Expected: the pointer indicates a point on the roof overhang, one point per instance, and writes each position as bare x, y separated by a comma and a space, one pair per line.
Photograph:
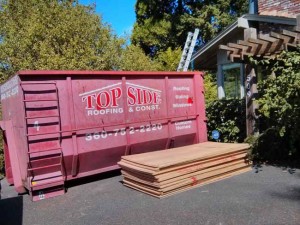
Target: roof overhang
206, 57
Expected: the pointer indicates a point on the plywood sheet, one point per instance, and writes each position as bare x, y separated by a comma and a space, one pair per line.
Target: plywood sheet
167, 172
178, 156
160, 194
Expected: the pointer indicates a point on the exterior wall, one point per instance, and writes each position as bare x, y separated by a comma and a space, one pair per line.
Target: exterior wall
284, 8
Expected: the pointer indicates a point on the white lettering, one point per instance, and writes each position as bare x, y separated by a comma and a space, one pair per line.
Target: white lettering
181, 96
181, 88
183, 125
183, 122
104, 111
146, 108
182, 105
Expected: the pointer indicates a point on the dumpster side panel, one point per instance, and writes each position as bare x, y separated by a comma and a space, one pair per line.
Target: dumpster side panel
13, 110
118, 115
8, 168
106, 115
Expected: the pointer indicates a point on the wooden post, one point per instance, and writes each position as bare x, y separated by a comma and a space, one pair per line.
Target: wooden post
251, 89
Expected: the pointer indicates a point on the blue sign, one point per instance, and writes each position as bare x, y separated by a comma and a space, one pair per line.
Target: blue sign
215, 134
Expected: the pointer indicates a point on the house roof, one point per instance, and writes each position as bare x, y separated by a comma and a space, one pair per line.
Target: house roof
206, 57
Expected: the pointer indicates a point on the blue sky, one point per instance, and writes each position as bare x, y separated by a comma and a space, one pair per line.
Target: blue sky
119, 14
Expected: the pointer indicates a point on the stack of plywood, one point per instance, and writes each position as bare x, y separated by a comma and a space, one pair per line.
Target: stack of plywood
167, 172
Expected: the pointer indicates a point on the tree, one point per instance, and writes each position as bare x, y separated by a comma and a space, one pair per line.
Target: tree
54, 35
210, 88
168, 60
134, 59
164, 24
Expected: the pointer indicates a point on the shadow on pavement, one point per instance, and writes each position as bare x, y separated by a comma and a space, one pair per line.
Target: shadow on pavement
93, 178
11, 211
287, 166
292, 195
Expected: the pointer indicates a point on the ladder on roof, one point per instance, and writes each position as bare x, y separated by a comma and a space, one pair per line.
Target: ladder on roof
188, 50
45, 158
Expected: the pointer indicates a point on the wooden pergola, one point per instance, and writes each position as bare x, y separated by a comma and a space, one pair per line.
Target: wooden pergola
259, 46
264, 45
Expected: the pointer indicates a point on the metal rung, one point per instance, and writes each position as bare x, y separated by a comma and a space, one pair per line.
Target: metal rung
47, 150
41, 100
49, 183
188, 50
37, 117
43, 158
44, 167
45, 90
24, 83
40, 134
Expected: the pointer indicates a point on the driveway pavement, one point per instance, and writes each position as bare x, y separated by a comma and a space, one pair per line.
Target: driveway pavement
266, 195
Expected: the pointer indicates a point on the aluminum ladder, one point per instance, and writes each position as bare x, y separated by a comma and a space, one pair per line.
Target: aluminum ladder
188, 50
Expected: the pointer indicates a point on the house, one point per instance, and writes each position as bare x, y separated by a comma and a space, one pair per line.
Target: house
270, 27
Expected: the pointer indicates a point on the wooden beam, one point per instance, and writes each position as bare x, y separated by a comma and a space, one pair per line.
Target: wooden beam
234, 56
288, 46
257, 41
275, 46
246, 43
290, 34
250, 84
247, 54
285, 38
245, 50
262, 45
266, 37
238, 46
225, 47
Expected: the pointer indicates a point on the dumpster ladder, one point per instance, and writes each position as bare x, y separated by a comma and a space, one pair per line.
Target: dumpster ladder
45, 172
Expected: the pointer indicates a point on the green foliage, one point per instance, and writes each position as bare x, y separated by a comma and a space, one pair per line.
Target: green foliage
54, 35
279, 106
134, 59
164, 24
210, 87
168, 60
228, 117
267, 146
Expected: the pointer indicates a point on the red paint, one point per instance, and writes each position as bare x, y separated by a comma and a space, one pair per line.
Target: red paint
116, 94
138, 96
190, 100
89, 101
194, 179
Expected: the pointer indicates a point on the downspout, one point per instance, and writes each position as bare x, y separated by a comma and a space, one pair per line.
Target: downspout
253, 6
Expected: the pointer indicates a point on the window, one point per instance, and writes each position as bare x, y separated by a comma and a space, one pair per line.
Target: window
233, 83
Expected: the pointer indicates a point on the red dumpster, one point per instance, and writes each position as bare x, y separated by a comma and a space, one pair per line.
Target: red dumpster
63, 125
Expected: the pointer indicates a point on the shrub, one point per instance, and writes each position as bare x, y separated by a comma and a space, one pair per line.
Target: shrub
228, 117
279, 107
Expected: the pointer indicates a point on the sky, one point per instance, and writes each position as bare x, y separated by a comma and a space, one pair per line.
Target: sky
119, 14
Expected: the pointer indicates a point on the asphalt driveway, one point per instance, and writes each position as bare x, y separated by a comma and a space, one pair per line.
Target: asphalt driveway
266, 195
